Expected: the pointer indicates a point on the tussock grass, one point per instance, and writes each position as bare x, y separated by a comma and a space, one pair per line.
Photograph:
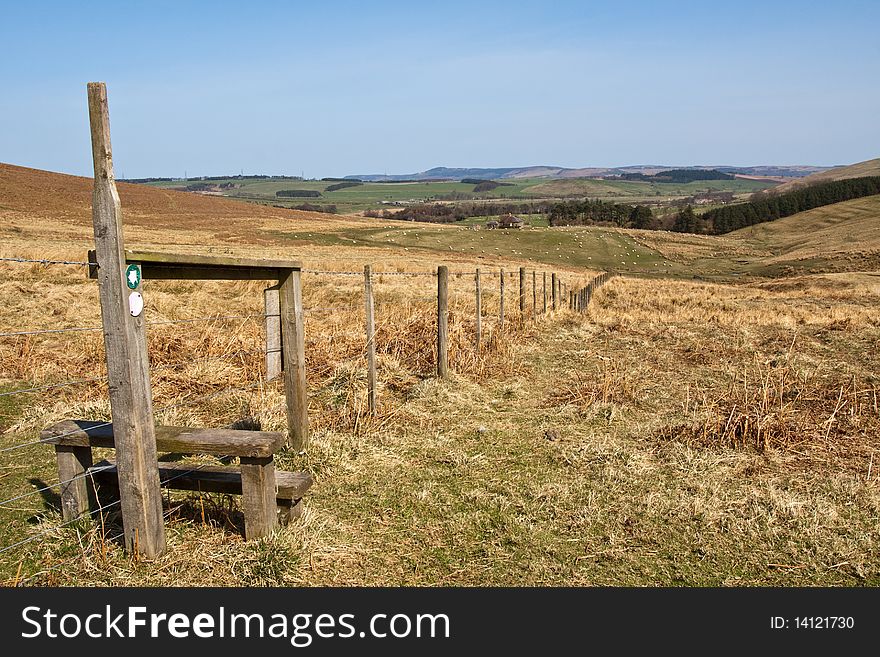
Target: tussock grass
680, 433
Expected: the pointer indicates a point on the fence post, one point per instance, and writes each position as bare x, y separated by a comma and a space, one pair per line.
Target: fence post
545, 293
125, 343
522, 295
554, 287
534, 294
442, 319
502, 299
294, 359
371, 340
479, 317
272, 309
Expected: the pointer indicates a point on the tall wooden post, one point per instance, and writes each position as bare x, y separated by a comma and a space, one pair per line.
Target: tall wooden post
534, 294
501, 316
272, 306
554, 290
545, 293
522, 295
371, 340
294, 358
479, 317
442, 320
125, 343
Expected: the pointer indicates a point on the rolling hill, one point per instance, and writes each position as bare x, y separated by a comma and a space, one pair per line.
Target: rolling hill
858, 170
839, 237
555, 172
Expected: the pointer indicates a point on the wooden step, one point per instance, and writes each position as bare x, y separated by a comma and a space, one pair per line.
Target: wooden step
178, 440
290, 486
212, 478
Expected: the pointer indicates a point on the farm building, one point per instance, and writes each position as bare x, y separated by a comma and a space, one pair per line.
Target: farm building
511, 221
491, 224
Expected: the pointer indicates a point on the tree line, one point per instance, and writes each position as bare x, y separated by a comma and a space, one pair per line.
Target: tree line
680, 176
766, 206
297, 193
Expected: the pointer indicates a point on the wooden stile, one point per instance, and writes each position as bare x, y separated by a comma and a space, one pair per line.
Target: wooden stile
126, 350
294, 358
272, 307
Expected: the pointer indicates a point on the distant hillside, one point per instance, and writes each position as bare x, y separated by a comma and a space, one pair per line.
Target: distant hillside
858, 170
32, 193
553, 172
840, 237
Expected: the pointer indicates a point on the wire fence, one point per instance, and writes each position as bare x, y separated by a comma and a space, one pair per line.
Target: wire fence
342, 335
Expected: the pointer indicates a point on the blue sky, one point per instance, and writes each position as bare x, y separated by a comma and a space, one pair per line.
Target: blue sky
354, 87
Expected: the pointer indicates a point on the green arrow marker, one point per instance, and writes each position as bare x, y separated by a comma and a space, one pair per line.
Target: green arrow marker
133, 276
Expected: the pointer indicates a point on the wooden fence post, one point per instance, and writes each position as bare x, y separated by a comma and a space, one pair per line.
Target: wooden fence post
554, 287
294, 359
545, 293
272, 307
125, 343
502, 299
442, 319
534, 294
522, 295
479, 317
371, 341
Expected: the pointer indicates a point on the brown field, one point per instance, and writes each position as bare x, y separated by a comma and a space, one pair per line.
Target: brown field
680, 433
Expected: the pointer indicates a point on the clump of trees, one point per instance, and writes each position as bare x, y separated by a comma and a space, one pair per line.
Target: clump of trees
311, 207
590, 212
431, 213
768, 206
680, 176
687, 221
343, 185
297, 193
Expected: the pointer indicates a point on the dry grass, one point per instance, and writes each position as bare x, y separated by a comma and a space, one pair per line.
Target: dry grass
680, 433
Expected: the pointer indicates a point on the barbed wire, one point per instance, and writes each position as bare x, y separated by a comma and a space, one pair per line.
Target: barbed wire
61, 330
49, 386
212, 318
49, 262
34, 537
189, 320
82, 475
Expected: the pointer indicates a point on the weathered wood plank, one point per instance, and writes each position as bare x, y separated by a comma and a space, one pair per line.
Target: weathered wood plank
172, 266
258, 496
294, 359
442, 320
272, 307
177, 440
187, 260
554, 290
76, 491
212, 478
126, 351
